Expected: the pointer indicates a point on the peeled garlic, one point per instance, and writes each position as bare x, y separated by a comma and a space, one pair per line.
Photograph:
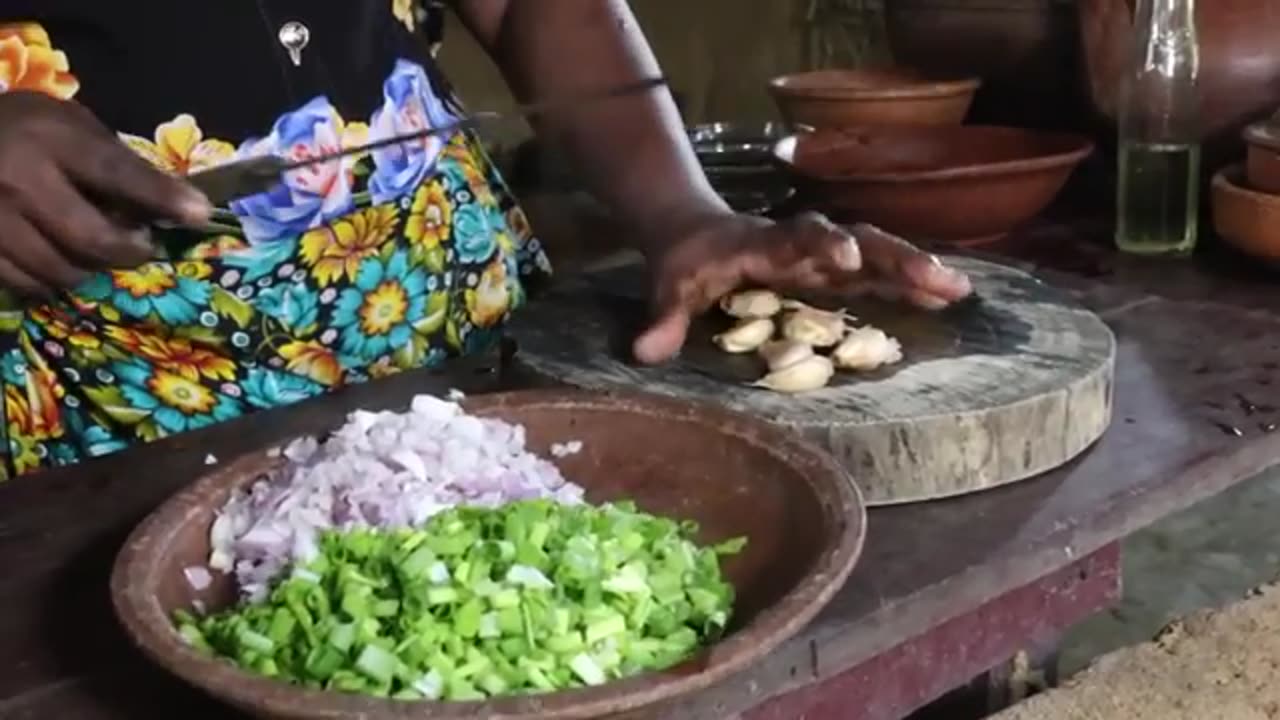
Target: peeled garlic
866, 348
745, 336
783, 353
819, 328
751, 304
812, 373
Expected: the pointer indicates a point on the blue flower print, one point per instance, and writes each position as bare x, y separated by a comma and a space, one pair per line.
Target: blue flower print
151, 289
176, 403
265, 388
409, 104
308, 196
472, 234
258, 261
377, 315
293, 304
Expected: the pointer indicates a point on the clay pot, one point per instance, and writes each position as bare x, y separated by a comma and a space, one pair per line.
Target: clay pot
964, 185
1024, 50
1246, 219
1262, 165
853, 98
1239, 64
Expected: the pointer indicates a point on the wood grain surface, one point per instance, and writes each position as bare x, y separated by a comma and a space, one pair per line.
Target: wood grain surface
1007, 385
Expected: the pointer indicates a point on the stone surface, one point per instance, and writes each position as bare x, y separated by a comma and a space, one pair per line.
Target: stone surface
1213, 664
1007, 386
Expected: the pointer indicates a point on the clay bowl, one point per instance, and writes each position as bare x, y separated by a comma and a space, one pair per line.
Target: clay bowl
964, 185
854, 98
1245, 218
1262, 164
734, 475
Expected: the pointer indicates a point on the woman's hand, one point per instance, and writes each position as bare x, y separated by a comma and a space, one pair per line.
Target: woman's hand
720, 254
57, 162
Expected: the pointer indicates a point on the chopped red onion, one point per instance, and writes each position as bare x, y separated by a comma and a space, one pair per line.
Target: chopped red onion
198, 577
385, 470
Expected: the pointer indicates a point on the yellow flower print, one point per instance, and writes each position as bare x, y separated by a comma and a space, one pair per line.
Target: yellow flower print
60, 327
465, 156
383, 368
384, 308
175, 355
180, 393
487, 304
193, 269
336, 251
32, 406
404, 12
351, 134
29, 62
312, 360
217, 247
180, 147
145, 281
430, 217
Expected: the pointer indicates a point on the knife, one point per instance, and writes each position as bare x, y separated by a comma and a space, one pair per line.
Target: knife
241, 178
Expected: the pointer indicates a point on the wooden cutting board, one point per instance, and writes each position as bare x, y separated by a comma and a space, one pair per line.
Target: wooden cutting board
1007, 385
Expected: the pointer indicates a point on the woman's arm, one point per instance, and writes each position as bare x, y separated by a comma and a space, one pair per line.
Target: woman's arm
632, 152
635, 158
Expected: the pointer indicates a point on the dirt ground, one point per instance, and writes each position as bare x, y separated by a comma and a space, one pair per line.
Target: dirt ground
1213, 665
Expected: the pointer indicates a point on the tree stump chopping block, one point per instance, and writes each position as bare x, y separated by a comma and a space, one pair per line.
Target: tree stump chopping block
1012, 383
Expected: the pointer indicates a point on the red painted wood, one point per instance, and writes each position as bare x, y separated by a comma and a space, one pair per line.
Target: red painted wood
926, 667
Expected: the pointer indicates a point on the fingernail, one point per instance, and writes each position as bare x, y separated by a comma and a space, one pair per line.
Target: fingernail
140, 238
954, 275
932, 303
195, 207
847, 257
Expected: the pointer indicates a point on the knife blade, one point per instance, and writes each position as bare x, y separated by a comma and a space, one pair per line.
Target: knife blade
241, 178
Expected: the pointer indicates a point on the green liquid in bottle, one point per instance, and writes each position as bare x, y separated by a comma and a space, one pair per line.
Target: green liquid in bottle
1159, 198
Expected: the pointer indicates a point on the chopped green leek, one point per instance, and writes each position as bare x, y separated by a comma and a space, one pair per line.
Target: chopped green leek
530, 597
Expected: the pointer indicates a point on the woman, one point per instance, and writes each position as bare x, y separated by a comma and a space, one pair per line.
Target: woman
348, 271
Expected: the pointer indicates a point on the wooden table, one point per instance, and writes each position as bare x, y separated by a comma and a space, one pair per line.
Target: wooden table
945, 591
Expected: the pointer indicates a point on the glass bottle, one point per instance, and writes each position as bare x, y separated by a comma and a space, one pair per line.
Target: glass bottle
1159, 159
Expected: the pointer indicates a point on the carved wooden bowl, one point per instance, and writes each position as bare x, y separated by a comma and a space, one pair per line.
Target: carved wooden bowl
734, 475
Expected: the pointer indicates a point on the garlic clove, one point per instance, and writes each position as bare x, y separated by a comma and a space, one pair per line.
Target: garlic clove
746, 336
866, 348
796, 306
779, 354
812, 373
751, 304
814, 327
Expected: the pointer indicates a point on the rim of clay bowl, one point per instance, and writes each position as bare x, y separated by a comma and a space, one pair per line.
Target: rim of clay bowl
1081, 147
1233, 179
1264, 134
1230, 182
135, 573
898, 83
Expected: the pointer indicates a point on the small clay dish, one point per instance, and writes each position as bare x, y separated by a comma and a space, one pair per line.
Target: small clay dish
734, 475
854, 98
964, 185
1262, 164
1245, 218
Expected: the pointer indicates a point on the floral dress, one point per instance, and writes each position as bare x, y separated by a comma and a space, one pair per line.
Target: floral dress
343, 273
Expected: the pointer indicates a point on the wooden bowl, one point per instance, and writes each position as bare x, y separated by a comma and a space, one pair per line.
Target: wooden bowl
1244, 218
854, 98
963, 185
734, 475
1262, 164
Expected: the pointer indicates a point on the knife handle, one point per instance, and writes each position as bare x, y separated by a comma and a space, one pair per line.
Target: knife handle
224, 183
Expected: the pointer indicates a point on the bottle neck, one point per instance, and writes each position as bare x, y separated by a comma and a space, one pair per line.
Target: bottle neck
1168, 46
1160, 18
